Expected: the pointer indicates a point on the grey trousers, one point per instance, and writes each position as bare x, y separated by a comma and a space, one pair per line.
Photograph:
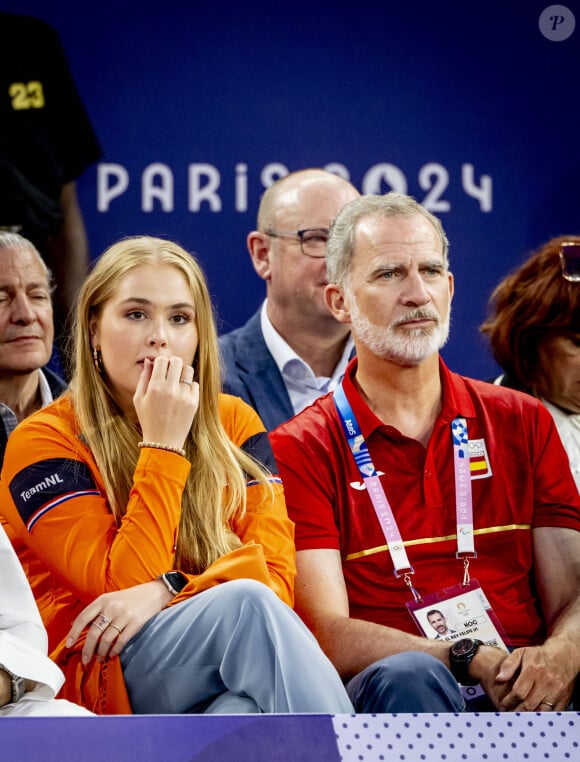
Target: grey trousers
233, 649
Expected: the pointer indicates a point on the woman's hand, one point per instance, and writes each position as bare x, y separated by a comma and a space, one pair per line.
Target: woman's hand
166, 400
114, 618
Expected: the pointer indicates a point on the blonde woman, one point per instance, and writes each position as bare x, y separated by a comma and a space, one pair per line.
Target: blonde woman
143, 507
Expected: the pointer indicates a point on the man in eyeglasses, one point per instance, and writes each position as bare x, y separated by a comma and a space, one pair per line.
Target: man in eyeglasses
292, 350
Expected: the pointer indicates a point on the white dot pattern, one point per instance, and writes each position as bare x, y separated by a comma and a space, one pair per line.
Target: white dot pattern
468, 737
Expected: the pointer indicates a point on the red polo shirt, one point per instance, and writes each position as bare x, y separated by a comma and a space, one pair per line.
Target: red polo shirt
524, 481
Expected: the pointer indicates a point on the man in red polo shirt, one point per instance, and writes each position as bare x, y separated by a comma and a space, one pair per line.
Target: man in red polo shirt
414, 488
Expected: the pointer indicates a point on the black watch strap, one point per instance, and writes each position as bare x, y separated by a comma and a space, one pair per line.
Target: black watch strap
461, 655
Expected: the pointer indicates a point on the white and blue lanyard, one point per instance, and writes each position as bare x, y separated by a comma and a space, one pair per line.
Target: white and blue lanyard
381, 505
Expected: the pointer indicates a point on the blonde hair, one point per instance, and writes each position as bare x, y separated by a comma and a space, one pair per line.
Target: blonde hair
215, 492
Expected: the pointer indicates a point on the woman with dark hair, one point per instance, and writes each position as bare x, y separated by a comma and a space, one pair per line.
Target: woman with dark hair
534, 333
145, 508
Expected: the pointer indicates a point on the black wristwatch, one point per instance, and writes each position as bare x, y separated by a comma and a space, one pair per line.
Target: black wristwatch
17, 685
461, 654
174, 581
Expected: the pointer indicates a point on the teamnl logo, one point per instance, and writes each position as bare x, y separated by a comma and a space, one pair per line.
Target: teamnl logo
557, 23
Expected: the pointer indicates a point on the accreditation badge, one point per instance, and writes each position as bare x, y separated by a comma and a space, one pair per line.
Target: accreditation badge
461, 611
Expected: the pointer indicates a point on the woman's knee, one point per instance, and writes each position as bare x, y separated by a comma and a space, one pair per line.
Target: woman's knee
239, 591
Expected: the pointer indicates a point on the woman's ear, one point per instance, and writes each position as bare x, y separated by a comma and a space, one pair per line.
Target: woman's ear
93, 332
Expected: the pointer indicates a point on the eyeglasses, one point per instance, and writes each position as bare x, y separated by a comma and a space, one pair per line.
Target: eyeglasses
570, 260
312, 240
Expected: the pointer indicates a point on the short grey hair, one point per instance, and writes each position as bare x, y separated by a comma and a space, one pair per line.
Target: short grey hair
11, 240
340, 245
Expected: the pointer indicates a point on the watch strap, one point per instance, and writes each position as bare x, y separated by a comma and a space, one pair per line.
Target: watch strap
459, 662
17, 685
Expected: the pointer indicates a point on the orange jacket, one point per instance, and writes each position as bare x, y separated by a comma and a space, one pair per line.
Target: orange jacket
53, 498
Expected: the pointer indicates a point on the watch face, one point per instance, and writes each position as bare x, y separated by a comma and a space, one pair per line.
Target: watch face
463, 647
177, 580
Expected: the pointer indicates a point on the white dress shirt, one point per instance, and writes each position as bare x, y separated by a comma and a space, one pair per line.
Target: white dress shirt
24, 643
302, 385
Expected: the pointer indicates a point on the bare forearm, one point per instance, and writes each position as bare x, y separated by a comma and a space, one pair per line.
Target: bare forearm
563, 635
353, 644
557, 574
5, 688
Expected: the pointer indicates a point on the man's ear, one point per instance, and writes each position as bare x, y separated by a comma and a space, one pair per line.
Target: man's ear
337, 303
259, 248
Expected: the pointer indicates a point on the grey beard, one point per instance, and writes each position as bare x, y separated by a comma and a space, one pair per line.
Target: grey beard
402, 347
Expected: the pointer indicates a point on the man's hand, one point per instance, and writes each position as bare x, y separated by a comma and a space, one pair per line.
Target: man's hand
485, 666
539, 679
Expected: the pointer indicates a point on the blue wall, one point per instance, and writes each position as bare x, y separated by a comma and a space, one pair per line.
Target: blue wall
434, 91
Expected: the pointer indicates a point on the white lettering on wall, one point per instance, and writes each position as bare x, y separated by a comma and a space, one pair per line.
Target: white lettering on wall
107, 191
384, 173
205, 180
157, 183
241, 187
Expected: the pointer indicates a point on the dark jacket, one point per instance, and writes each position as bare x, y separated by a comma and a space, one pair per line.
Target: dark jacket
250, 372
57, 387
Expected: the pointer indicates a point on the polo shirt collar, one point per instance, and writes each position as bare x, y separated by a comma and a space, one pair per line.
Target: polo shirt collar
456, 399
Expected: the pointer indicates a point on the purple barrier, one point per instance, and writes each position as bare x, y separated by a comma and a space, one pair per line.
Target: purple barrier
486, 737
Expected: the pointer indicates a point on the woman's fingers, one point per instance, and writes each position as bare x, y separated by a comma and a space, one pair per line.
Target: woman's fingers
167, 406
112, 619
87, 615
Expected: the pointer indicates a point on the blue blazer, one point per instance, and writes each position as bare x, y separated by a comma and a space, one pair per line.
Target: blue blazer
249, 372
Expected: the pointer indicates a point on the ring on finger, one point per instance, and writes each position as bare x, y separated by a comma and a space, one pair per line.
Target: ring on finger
102, 622
547, 703
185, 381
116, 627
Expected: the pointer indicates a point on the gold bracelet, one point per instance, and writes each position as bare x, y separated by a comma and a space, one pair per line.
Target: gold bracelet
159, 446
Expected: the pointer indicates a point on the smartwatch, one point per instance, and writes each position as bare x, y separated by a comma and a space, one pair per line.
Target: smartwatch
174, 581
17, 685
461, 655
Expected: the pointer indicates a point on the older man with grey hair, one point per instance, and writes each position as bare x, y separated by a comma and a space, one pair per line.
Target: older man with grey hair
26, 334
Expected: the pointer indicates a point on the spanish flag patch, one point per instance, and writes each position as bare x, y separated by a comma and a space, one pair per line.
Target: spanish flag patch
479, 464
